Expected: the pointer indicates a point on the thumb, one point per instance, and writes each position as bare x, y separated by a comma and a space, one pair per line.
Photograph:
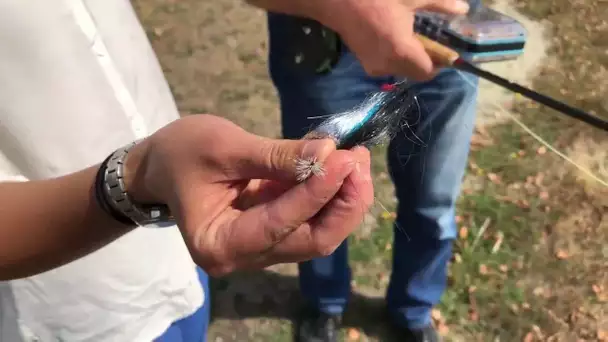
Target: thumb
444, 6
276, 159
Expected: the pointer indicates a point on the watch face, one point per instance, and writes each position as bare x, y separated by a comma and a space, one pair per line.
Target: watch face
158, 216
160, 224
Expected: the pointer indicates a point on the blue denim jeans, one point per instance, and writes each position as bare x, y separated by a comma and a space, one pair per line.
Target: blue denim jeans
194, 327
427, 176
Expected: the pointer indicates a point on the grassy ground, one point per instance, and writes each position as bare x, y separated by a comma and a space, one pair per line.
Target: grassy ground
530, 261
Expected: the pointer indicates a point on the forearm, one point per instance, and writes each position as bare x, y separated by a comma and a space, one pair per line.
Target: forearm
47, 223
304, 8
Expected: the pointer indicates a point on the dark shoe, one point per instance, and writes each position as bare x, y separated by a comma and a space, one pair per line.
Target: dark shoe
426, 334
315, 326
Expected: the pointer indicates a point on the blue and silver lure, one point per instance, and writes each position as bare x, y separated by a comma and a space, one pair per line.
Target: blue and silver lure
373, 122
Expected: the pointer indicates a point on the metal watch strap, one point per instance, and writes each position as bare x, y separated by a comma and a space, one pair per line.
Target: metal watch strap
116, 193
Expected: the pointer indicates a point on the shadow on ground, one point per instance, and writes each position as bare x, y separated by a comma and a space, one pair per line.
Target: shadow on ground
278, 298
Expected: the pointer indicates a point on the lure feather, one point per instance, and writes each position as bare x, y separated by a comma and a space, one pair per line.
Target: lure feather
374, 121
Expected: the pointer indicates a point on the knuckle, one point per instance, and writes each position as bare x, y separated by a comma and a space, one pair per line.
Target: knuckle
325, 250
220, 270
275, 154
277, 235
374, 69
278, 228
320, 197
400, 52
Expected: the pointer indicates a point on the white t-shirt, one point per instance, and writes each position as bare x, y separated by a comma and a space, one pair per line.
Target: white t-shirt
79, 79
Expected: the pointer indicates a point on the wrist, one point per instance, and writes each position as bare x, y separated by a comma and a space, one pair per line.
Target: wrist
312, 9
134, 173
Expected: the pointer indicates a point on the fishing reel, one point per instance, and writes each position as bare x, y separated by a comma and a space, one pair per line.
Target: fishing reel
482, 35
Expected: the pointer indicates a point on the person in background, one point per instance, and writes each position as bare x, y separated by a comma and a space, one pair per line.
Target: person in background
426, 164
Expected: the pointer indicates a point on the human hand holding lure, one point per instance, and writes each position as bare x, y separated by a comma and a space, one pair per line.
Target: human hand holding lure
380, 33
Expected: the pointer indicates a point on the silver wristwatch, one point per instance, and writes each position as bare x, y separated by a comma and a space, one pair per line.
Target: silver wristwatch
119, 199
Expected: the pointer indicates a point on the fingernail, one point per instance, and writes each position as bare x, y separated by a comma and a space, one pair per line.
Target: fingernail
366, 174
318, 148
462, 6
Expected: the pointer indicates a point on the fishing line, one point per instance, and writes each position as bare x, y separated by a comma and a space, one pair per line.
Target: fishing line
541, 140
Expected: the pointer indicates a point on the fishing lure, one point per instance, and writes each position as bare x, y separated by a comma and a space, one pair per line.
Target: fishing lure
374, 121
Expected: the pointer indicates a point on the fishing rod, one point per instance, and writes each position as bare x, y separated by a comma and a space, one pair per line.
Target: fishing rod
446, 57
483, 35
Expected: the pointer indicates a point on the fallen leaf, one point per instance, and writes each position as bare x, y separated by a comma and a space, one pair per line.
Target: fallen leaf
353, 334
544, 195
387, 215
561, 254
483, 269
463, 233
541, 150
473, 315
524, 204
539, 179
478, 141
596, 288
158, 31
458, 218
537, 331
443, 329
494, 178
383, 277
457, 258
436, 315
602, 335
499, 236
503, 268
529, 337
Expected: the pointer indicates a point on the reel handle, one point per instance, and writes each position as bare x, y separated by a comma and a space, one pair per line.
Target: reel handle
441, 55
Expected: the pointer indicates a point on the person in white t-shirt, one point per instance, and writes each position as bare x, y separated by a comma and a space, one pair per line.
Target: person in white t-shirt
79, 80
238, 202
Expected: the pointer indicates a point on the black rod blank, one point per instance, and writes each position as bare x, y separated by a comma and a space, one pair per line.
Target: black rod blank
559, 106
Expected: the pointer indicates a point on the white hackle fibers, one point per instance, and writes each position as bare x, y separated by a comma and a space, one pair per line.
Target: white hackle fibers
307, 167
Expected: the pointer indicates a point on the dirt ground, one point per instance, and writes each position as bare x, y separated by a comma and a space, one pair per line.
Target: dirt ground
530, 261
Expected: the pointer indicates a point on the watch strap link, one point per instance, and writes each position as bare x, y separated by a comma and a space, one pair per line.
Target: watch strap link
118, 198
